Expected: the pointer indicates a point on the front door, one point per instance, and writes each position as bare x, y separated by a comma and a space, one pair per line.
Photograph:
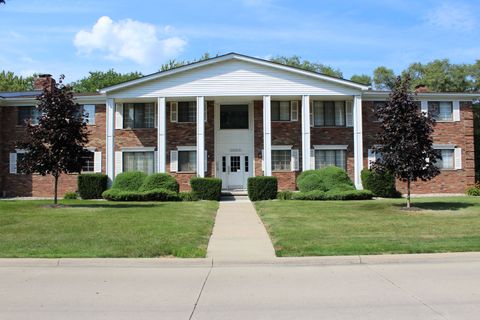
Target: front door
234, 171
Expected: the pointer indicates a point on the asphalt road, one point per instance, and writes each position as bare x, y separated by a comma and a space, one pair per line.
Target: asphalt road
439, 288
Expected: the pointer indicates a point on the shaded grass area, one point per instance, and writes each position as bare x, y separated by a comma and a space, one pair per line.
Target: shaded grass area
104, 229
315, 228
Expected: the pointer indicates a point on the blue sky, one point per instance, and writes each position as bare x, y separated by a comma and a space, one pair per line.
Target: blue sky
76, 36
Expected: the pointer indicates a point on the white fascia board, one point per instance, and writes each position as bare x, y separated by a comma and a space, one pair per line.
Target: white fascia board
237, 57
31, 101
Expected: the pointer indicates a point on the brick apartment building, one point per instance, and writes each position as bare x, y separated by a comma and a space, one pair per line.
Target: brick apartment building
234, 117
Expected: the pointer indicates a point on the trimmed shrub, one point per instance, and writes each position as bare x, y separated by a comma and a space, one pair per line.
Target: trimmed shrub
151, 195
70, 195
323, 179
207, 188
349, 195
341, 188
284, 195
188, 196
262, 188
159, 181
381, 184
310, 195
474, 191
129, 181
91, 185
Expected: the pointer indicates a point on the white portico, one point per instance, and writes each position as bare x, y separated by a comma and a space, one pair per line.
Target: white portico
228, 86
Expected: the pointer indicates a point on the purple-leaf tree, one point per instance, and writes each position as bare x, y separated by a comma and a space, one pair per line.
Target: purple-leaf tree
405, 144
56, 144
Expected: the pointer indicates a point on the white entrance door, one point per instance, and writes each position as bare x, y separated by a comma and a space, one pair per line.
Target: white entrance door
234, 171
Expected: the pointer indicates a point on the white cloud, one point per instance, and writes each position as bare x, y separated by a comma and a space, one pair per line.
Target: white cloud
452, 16
128, 39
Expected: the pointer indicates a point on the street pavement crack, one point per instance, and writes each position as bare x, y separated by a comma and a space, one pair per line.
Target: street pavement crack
201, 291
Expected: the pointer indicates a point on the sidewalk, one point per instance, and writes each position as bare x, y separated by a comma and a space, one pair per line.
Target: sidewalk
239, 234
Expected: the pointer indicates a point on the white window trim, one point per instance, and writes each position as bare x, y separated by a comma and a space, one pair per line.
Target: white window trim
282, 147
444, 146
285, 148
186, 148
455, 103
331, 147
138, 149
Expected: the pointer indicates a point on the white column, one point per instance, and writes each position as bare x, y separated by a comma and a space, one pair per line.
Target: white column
357, 140
109, 155
161, 135
201, 137
267, 136
306, 133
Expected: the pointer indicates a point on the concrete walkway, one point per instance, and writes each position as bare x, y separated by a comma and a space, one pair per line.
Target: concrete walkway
239, 234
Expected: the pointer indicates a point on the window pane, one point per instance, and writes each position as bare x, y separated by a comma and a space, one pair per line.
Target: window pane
340, 159
234, 163
23, 115
284, 110
442, 111
318, 111
281, 160
339, 113
234, 117
139, 115
138, 161
325, 158
246, 164
187, 161
447, 159
329, 113
89, 113
128, 115
88, 162
187, 111
275, 109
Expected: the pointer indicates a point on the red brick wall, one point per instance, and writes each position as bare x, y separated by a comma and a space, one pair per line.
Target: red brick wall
36, 185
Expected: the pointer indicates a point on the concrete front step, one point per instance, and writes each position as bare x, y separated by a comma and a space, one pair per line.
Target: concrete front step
239, 192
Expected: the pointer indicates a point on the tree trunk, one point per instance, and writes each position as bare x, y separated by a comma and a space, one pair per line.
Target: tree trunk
55, 189
408, 194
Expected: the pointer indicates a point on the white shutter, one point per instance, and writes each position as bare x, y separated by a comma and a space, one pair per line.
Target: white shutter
97, 161
312, 159
371, 157
173, 161
456, 110
295, 160
173, 111
293, 110
119, 116
118, 162
205, 165
263, 161
349, 113
13, 162
458, 158
312, 115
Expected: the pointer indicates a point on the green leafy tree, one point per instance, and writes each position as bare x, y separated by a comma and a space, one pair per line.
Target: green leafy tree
362, 78
56, 144
405, 140
298, 62
173, 63
383, 78
9, 81
99, 79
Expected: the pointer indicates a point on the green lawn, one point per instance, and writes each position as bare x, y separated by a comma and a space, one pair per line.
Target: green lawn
314, 228
105, 229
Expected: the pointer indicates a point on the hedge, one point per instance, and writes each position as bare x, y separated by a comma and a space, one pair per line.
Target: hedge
206, 188
324, 179
150, 195
262, 188
91, 185
129, 181
284, 195
188, 196
333, 195
159, 181
381, 184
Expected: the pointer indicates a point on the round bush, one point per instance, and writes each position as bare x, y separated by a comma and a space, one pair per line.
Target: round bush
70, 195
323, 179
159, 181
129, 181
381, 184
310, 180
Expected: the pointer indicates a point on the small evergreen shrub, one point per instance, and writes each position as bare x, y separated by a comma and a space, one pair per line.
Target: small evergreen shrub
188, 196
284, 195
70, 195
310, 195
159, 181
349, 195
323, 179
381, 184
310, 180
129, 181
262, 188
474, 191
207, 188
151, 195
91, 185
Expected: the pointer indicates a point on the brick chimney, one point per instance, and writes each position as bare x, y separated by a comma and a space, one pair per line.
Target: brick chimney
44, 81
421, 88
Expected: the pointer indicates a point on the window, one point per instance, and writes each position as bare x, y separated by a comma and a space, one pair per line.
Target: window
234, 163
224, 164
88, 163
447, 159
88, 111
246, 163
138, 115
138, 161
329, 113
187, 111
325, 158
441, 110
28, 113
234, 117
187, 161
280, 110
281, 160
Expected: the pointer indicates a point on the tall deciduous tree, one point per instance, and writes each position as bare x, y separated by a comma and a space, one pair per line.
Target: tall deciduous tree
298, 62
405, 140
362, 78
56, 144
100, 79
9, 81
383, 78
